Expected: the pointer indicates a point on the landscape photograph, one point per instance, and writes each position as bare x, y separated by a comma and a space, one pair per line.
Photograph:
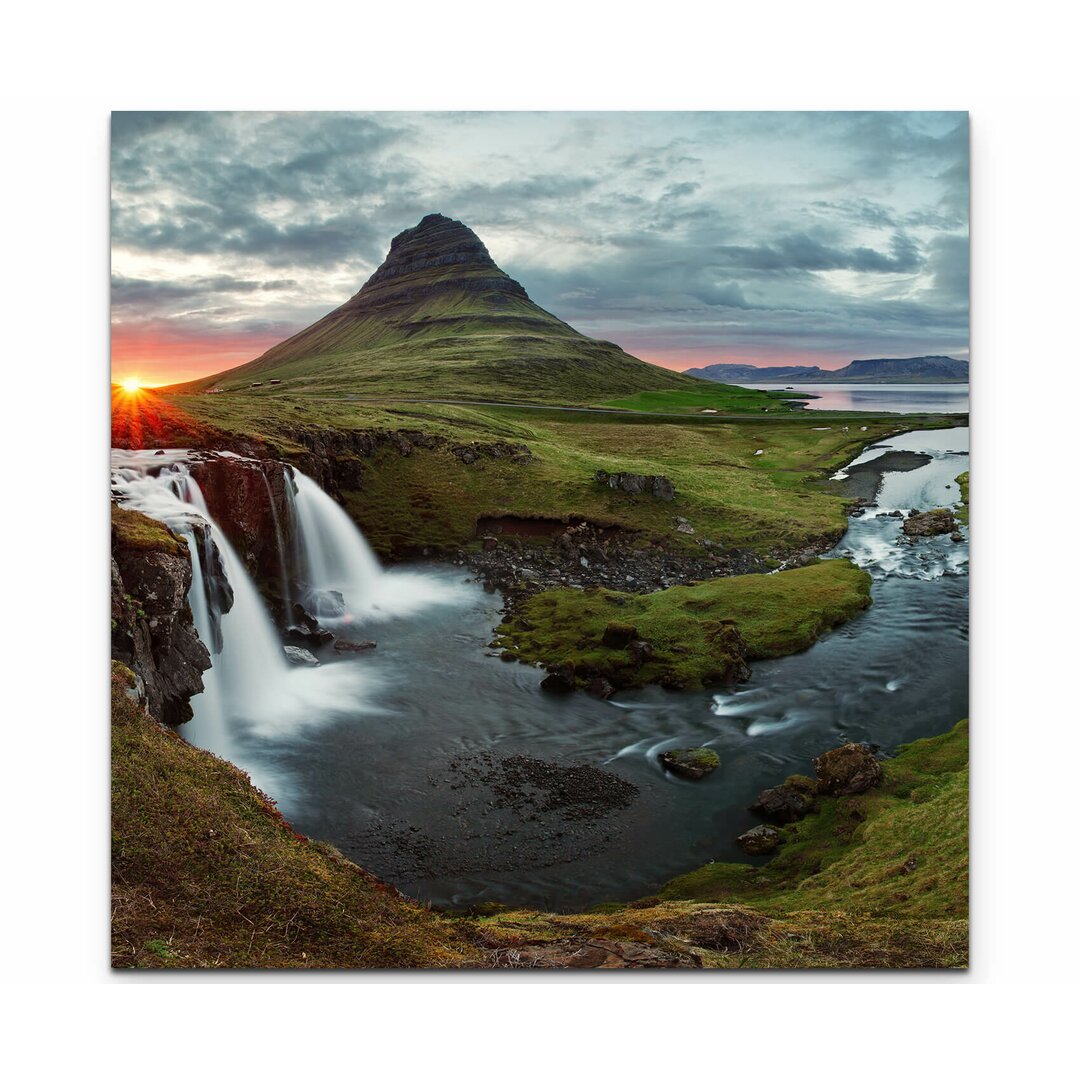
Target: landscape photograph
539, 540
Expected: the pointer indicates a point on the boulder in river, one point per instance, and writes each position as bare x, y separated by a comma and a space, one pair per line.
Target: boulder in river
308, 638
790, 801
600, 687
341, 645
929, 522
760, 840
847, 770
301, 657
692, 763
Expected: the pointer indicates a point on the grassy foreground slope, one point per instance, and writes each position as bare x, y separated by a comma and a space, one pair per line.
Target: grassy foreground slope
900, 849
207, 874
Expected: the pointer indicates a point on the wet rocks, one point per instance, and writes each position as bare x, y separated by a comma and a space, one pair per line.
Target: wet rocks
692, 763
957, 537
637, 484
341, 646
152, 629
561, 678
600, 687
787, 802
929, 522
247, 497
847, 770
760, 840
300, 657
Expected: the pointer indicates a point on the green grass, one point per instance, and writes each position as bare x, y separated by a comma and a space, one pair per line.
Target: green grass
775, 502
851, 852
138, 532
776, 614
963, 512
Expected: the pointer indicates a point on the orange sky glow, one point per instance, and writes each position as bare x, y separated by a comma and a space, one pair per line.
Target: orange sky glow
164, 356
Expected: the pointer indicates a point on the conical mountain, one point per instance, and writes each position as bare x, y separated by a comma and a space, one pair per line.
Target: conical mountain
439, 318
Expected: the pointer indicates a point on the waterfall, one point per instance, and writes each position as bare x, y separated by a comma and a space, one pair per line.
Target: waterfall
343, 581
251, 688
338, 567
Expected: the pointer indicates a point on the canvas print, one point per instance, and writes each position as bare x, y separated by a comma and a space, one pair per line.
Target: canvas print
539, 540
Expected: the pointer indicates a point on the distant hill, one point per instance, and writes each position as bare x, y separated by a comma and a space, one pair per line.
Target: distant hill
750, 373
928, 369
440, 319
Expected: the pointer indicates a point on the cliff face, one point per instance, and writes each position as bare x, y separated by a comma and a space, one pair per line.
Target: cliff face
247, 499
152, 631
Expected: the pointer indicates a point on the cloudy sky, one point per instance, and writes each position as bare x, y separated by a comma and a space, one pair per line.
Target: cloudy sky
688, 238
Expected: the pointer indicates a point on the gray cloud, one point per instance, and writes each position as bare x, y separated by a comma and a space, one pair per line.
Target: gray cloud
832, 234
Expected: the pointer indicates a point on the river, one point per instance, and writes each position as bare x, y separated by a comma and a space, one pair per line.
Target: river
879, 397
396, 756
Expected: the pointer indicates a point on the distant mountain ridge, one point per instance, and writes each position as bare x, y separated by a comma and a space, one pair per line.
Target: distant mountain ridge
932, 369
440, 318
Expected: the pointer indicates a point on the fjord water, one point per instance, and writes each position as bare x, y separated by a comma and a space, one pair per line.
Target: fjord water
366, 751
879, 397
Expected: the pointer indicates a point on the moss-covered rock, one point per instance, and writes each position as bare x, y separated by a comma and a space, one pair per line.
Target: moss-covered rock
929, 522
848, 770
692, 763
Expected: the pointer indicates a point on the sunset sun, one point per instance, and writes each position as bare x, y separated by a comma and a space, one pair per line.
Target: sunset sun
131, 384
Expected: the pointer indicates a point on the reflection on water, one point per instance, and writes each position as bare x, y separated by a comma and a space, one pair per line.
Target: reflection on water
434, 695
880, 397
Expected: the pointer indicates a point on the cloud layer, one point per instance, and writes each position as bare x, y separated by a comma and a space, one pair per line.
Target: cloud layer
688, 238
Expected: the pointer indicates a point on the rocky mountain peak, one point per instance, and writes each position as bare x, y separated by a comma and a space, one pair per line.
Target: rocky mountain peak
436, 249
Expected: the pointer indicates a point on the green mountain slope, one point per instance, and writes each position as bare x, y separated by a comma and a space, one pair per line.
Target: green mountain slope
439, 318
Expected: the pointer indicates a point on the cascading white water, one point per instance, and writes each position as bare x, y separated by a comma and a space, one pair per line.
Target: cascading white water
334, 556
343, 580
283, 563
251, 687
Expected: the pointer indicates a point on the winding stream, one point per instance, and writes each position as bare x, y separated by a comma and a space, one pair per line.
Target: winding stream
382, 753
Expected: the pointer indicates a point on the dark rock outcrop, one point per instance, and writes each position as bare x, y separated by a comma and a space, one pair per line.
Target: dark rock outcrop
760, 840
636, 484
341, 645
692, 763
929, 522
847, 770
787, 802
152, 630
246, 497
728, 648
561, 678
